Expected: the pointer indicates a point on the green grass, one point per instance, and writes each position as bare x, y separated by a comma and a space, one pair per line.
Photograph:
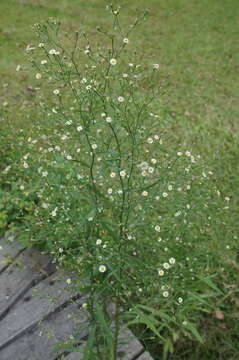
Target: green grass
196, 43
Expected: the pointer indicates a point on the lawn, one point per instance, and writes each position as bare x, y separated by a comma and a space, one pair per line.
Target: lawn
196, 45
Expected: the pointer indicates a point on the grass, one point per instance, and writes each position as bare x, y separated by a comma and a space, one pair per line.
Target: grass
197, 48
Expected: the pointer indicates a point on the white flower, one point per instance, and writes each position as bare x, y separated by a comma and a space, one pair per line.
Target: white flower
125, 40
45, 205
156, 66
123, 173
69, 157
30, 47
113, 61
153, 161
18, 67
43, 62
94, 146
125, 75
166, 266
56, 92
164, 194
84, 305
109, 191
68, 281
102, 268
151, 170
41, 45
44, 173
25, 165
38, 76
108, 119
156, 137
98, 242
120, 99
157, 228
113, 174
172, 260
145, 193
53, 213
150, 140
88, 87
180, 300
60, 250
79, 128
161, 272
179, 153
165, 293
52, 52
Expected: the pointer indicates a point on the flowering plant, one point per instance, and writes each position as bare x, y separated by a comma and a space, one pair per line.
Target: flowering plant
115, 202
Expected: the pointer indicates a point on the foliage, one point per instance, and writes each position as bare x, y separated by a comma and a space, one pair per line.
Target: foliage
97, 183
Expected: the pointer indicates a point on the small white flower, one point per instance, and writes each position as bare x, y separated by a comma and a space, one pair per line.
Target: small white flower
125, 76
113, 61
98, 242
22, 187
126, 41
102, 268
157, 228
69, 157
112, 174
25, 165
84, 305
60, 250
164, 194
53, 213
109, 191
165, 293
43, 62
56, 92
156, 137
166, 266
41, 45
120, 99
170, 187
38, 76
18, 67
145, 193
94, 146
156, 66
180, 300
52, 52
79, 128
44, 173
161, 272
150, 140
153, 161
159, 239
123, 173
68, 281
151, 170
108, 119
45, 205
172, 260
179, 153
88, 87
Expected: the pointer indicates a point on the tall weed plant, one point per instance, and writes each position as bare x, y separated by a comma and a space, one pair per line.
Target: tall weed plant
101, 188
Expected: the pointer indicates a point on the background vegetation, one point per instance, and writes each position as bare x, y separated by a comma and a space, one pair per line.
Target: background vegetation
196, 45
